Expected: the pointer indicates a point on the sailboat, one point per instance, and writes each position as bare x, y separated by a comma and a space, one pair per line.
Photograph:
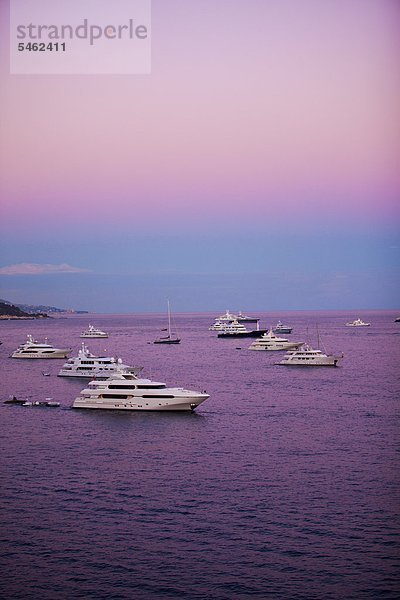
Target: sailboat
170, 338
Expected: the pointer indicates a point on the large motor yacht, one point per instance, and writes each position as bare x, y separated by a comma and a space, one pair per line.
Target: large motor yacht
236, 329
89, 365
357, 323
246, 319
124, 391
270, 342
228, 317
92, 332
308, 357
33, 349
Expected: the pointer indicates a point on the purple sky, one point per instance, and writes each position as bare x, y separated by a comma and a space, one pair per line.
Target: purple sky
264, 144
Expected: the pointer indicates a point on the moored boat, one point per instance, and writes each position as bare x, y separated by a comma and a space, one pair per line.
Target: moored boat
306, 356
229, 317
124, 391
172, 337
89, 365
236, 329
281, 328
246, 319
357, 323
48, 403
271, 342
14, 400
93, 332
33, 349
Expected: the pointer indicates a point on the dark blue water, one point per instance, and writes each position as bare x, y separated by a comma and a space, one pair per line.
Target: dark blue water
284, 484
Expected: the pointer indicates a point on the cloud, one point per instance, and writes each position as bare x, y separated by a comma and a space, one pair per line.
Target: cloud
36, 269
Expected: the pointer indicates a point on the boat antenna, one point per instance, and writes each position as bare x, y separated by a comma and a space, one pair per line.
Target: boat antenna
169, 320
319, 341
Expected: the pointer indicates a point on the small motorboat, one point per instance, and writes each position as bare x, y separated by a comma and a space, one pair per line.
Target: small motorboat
14, 400
49, 402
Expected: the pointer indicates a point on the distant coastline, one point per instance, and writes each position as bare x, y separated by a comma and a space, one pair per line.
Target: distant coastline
9, 311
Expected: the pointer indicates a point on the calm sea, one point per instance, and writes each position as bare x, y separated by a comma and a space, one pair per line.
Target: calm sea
284, 484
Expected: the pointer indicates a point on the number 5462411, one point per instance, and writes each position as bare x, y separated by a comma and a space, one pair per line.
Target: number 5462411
41, 47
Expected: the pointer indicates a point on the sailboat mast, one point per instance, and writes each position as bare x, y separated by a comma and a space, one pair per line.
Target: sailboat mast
169, 320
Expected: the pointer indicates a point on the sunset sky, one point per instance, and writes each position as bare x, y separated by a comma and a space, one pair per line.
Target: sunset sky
256, 167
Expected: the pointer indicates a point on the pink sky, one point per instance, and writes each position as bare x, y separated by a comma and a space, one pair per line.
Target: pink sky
276, 109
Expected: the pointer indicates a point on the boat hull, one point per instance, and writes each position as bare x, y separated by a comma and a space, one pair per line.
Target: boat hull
243, 334
94, 336
14, 401
94, 375
330, 362
188, 403
56, 354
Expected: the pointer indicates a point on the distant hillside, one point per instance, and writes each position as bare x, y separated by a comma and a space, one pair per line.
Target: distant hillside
42, 309
10, 311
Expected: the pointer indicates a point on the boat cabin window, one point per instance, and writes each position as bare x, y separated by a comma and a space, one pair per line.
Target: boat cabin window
163, 396
123, 386
150, 386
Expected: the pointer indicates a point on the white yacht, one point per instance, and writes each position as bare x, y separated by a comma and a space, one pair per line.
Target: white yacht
124, 391
357, 323
218, 326
246, 319
270, 341
308, 357
281, 328
89, 365
236, 329
33, 349
228, 317
92, 332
